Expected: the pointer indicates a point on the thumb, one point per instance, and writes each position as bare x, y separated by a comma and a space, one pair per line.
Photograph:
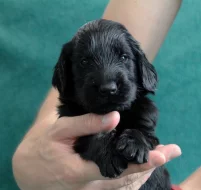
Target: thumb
70, 127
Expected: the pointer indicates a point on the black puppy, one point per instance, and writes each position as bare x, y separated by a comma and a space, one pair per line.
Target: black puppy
103, 69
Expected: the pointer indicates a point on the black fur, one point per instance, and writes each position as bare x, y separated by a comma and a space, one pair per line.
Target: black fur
103, 69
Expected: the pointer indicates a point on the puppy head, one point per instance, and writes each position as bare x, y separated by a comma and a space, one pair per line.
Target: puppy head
103, 68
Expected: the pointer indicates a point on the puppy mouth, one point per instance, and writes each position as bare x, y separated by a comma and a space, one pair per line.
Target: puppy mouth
98, 103
107, 107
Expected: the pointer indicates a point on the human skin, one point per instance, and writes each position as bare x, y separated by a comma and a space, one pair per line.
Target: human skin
193, 182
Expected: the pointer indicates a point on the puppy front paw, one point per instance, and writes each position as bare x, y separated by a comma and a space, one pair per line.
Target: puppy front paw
100, 149
111, 166
133, 146
110, 163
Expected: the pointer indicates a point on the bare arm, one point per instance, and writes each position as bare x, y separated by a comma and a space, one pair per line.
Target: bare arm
47, 114
49, 106
192, 182
148, 21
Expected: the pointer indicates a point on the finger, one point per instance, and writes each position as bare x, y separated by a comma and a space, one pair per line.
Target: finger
137, 184
157, 157
70, 127
126, 180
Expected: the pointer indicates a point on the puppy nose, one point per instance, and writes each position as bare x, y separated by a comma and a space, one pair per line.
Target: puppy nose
108, 89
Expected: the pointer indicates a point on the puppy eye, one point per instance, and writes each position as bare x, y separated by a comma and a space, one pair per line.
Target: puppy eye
124, 57
84, 62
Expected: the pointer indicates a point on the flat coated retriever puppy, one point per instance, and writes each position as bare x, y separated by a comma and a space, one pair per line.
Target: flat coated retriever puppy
103, 69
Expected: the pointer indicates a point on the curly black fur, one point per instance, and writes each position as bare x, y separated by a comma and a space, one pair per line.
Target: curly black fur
103, 69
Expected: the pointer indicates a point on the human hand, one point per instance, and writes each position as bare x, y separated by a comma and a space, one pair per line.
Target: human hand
45, 159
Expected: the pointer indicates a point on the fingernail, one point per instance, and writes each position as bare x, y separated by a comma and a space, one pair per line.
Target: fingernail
175, 153
160, 145
107, 119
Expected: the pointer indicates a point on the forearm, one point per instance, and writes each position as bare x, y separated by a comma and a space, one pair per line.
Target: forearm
192, 182
47, 114
49, 106
148, 21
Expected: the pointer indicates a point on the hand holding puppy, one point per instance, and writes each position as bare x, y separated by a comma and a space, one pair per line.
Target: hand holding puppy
45, 160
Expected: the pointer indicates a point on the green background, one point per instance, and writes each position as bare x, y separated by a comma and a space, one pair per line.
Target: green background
31, 35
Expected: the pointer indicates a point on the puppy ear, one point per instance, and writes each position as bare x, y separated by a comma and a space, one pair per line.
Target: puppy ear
62, 77
147, 73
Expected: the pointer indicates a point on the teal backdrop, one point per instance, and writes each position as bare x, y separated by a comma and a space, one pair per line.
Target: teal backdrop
31, 35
